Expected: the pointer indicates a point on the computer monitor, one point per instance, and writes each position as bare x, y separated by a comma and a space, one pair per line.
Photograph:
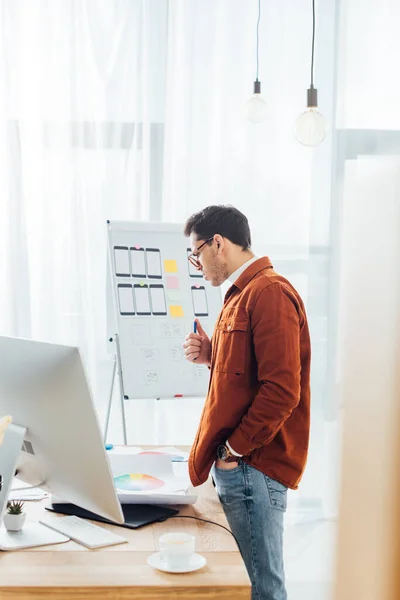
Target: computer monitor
44, 388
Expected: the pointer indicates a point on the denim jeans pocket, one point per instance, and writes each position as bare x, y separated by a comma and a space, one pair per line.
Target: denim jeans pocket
234, 470
277, 493
229, 485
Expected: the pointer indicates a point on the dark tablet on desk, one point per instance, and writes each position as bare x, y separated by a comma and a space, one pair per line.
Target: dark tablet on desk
136, 515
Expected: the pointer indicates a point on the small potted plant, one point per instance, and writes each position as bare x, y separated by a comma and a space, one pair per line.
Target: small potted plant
15, 516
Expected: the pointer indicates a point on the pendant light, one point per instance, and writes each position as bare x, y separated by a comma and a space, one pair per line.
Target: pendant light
310, 127
257, 107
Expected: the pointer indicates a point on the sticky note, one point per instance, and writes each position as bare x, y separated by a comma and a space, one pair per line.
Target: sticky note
172, 282
170, 266
176, 311
174, 296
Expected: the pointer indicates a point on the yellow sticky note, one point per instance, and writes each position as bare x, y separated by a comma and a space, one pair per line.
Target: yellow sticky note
176, 311
170, 266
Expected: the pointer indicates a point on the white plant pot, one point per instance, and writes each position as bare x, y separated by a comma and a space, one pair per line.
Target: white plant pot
14, 522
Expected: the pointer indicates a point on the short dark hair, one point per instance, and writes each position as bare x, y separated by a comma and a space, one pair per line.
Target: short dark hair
225, 220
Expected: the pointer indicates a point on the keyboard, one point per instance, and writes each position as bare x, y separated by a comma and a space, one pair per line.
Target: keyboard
84, 532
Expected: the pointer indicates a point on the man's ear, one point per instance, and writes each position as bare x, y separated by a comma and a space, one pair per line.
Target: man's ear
219, 241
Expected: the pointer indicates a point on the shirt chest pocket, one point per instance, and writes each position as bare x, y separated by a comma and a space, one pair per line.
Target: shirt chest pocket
230, 356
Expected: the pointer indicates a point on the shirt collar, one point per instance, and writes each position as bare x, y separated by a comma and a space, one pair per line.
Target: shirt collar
254, 267
236, 274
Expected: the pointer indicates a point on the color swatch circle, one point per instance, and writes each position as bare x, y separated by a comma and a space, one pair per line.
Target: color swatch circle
137, 482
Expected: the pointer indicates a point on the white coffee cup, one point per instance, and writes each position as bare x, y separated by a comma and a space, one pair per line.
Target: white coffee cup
176, 549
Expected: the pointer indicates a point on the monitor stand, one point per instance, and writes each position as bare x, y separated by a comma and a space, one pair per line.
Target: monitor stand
31, 534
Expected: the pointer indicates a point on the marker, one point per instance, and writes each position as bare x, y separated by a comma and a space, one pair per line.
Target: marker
109, 446
178, 396
195, 331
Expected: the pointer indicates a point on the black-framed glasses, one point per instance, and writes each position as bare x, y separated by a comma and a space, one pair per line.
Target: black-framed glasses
192, 258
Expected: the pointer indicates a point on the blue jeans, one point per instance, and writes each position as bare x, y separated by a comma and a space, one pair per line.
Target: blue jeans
254, 505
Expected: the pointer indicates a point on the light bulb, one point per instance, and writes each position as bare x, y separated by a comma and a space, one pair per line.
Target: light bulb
310, 127
256, 107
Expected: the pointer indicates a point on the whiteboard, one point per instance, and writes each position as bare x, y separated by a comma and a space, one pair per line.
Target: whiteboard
153, 296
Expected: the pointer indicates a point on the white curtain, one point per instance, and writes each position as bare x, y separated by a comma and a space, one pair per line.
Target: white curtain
367, 170
77, 111
369, 49
134, 109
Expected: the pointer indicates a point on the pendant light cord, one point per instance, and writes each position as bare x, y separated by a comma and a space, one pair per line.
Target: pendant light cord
312, 47
258, 23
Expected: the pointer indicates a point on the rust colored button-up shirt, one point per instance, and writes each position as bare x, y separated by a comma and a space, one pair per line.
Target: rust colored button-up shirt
259, 392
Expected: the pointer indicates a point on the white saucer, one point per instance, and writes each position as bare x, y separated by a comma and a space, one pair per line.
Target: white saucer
195, 562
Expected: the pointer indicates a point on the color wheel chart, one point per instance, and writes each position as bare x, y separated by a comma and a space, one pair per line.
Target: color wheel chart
137, 482
153, 296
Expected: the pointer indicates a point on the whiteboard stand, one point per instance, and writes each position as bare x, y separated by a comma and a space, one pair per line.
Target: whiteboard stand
123, 397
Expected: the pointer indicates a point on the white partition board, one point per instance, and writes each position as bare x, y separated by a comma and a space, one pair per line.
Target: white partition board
154, 296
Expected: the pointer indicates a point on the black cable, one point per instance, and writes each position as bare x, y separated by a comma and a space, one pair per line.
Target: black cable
258, 23
206, 521
312, 48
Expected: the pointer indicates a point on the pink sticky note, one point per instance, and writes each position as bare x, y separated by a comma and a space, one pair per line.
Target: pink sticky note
172, 282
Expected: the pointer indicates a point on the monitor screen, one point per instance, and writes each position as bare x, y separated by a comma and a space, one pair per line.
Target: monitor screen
45, 390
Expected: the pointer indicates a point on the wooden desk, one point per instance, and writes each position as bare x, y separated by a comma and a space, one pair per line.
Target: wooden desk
71, 571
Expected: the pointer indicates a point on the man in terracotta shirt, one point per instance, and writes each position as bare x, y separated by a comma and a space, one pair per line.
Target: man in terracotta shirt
254, 430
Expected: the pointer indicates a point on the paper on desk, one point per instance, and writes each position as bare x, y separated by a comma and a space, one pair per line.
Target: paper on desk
130, 450
156, 465
28, 493
150, 469
174, 454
